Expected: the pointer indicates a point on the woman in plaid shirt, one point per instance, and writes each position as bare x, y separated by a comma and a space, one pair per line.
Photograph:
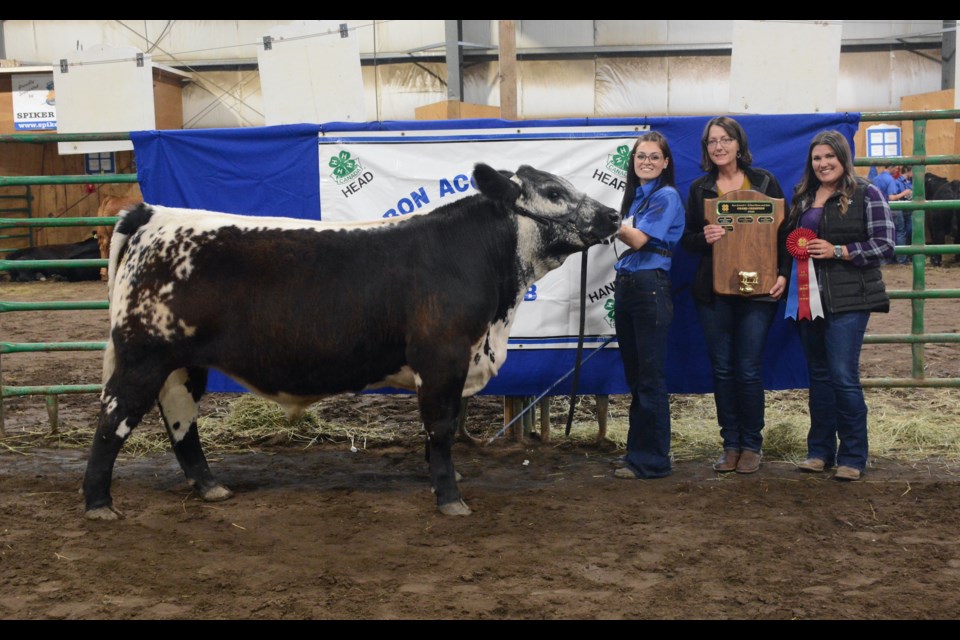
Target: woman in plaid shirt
854, 238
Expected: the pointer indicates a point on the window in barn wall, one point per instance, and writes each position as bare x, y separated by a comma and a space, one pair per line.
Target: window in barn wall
98, 163
883, 140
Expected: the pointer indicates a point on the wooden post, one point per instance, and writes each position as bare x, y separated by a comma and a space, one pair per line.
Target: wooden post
508, 69
53, 412
603, 405
545, 419
529, 416
512, 406
3, 431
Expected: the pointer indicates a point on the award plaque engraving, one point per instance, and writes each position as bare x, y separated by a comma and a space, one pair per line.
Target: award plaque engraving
745, 258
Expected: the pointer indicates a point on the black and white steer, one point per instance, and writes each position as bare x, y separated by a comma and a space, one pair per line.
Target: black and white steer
296, 310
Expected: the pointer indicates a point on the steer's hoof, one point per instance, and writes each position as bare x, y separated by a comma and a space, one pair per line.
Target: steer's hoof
103, 513
458, 508
216, 494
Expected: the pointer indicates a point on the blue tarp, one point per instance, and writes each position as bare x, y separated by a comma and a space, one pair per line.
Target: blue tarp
275, 171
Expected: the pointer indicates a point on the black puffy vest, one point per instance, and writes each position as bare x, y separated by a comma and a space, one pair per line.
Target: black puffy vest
845, 286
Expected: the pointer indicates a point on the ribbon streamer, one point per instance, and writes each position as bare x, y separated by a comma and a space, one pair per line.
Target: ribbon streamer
803, 301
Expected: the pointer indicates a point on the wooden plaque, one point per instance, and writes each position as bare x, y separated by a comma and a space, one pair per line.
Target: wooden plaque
745, 259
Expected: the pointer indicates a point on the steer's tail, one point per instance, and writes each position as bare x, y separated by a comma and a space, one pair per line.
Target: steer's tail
128, 221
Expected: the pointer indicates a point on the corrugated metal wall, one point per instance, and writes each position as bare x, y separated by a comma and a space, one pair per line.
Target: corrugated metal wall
593, 68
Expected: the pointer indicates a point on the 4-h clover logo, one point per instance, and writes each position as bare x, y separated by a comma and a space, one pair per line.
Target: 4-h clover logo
608, 307
619, 161
344, 167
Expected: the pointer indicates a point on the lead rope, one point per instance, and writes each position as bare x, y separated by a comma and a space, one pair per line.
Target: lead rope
578, 361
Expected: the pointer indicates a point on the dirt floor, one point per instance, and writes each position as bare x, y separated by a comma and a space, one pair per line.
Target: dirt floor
321, 532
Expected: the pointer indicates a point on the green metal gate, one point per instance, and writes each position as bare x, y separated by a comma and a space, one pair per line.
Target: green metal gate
51, 392
19, 206
918, 294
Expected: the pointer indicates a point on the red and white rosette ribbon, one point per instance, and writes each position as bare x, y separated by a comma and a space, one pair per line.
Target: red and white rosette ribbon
803, 301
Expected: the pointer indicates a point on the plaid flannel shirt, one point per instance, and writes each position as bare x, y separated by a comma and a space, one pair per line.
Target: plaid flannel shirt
878, 250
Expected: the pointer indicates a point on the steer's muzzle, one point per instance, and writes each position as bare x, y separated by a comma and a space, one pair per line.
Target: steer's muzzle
606, 224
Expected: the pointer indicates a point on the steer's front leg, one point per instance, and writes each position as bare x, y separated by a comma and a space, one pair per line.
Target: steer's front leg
439, 413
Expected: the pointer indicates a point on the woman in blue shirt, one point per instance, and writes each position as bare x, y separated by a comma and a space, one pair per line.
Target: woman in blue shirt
643, 309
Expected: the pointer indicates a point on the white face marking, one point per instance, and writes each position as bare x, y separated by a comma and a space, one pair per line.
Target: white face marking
536, 257
543, 206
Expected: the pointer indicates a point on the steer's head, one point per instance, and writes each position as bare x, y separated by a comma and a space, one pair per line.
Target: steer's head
567, 219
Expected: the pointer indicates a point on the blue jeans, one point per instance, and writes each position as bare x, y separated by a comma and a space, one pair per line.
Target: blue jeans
736, 332
903, 228
837, 408
643, 310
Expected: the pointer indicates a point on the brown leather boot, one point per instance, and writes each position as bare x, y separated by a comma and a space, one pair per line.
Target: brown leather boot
727, 461
749, 461
812, 465
849, 474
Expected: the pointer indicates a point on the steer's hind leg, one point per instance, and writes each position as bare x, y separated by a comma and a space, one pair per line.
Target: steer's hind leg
179, 401
127, 395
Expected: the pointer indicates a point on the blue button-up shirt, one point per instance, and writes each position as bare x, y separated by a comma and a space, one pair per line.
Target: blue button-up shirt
658, 213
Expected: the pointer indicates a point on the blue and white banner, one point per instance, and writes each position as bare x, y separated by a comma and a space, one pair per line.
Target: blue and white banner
370, 177
347, 170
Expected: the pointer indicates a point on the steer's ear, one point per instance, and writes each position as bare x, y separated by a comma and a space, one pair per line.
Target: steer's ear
494, 184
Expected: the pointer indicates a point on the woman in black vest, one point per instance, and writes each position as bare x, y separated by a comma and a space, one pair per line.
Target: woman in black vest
854, 233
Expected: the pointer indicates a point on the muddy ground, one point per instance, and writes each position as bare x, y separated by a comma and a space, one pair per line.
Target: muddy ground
320, 532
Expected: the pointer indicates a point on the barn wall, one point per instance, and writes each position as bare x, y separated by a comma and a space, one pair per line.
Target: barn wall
402, 88
57, 201
167, 100
223, 99
657, 81
941, 136
43, 41
687, 84
44, 159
